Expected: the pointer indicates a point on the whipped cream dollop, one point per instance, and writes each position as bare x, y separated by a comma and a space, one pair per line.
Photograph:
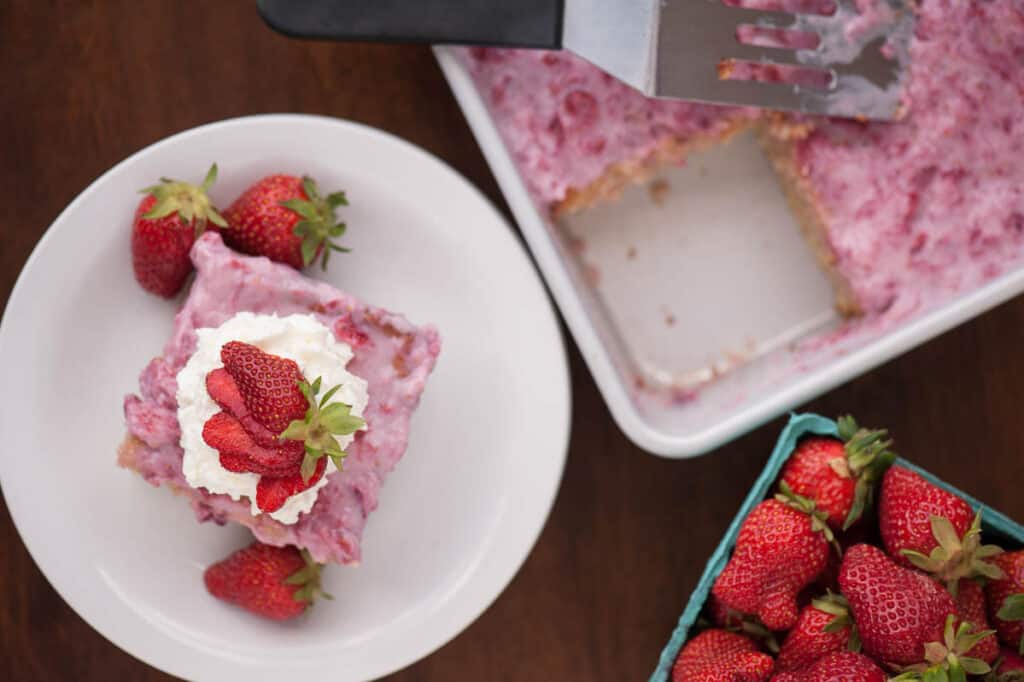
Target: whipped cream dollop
301, 338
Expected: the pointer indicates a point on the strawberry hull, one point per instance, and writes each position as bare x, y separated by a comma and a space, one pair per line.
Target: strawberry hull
997, 527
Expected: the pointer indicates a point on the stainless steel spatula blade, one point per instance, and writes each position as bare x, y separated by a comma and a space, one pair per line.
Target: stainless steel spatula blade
689, 49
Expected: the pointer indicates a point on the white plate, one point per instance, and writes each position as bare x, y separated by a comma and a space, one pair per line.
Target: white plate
456, 518
710, 284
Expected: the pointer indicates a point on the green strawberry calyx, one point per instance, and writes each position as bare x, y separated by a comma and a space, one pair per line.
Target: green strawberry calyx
317, 430
955, 557
946, 661
819, 519
318, 225
191, 203
867, 458
836, 606
1011, 610
307, 579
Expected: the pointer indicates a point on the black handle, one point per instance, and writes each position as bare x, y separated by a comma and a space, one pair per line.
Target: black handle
510, 23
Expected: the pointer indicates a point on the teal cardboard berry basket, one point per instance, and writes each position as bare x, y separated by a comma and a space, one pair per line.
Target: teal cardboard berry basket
996, 526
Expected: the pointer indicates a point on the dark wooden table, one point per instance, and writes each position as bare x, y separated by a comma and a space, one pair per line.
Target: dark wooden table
88, 83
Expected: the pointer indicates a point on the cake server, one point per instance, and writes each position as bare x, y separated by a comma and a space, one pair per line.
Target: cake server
687, 49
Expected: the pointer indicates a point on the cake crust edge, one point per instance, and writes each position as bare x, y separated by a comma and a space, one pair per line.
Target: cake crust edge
779, 140
269, 533
672, 150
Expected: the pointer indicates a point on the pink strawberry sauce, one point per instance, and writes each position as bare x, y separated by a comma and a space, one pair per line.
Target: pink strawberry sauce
394, 356
933, 204
918, 210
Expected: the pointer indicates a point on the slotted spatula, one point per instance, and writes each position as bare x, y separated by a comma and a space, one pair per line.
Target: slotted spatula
685, 49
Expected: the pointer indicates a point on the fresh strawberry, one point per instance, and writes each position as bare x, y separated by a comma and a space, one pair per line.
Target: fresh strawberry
840, 475
721, 615
166, 224
823, 628
269, 385
274, 582
925, 526
1009, 668
947, 659
780, 549
841, 666
284, 218
721, 656
1005, 598
897, 610
734, 621
970, 605
240, 452
272, 493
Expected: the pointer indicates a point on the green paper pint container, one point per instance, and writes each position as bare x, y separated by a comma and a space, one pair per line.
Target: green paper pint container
997, 527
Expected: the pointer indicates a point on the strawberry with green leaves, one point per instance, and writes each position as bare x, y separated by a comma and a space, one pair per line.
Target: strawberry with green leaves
721, 656
947, 660
904, 616
1009, 667
167, 223
782, 547
1005, 597
278, 583
286, 219
840, 474
840, 666
925, 526
824, 627
274, 423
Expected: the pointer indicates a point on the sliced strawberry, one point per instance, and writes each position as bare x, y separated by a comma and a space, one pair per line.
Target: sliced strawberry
225, 392
235, 463
269, 384
271, 493
226, 434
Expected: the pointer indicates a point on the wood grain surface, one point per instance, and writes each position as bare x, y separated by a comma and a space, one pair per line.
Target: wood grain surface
88, 83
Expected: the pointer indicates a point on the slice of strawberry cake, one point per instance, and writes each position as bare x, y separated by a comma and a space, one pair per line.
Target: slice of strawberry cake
279, 402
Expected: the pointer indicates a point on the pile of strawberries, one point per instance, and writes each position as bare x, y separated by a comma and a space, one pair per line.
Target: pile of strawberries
915, 596
282, 217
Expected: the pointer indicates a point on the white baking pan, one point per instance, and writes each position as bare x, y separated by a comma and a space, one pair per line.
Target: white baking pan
703, 314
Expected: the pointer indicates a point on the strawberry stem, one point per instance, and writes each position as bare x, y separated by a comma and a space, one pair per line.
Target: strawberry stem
867, 458
191, 203
317, 430
307, 579
954, 557
318, 225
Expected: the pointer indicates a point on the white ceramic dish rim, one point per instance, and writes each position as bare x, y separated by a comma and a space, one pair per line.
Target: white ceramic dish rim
559, 386
598, 356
